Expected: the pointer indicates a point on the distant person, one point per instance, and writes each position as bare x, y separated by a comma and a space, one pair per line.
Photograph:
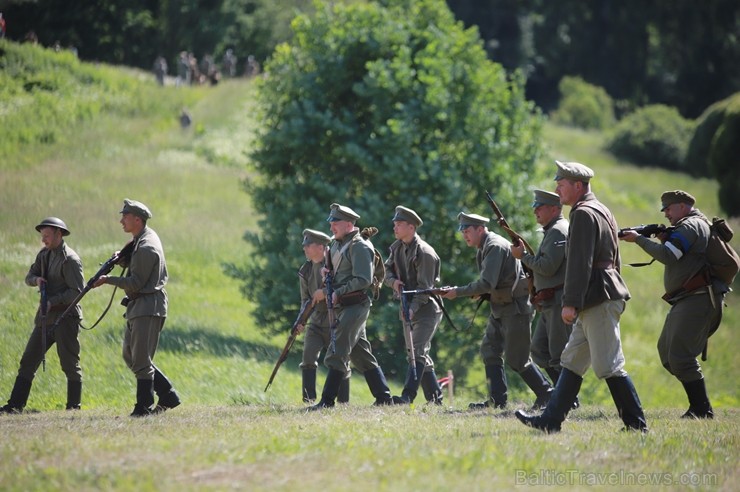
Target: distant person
229, 63
183, 69
252, 68
2, 26
146, 310
160, 69
58, 269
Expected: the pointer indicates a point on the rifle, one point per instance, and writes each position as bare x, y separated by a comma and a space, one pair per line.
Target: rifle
436, 291
44, 312
648, 230
516, 239
302, 319
329, 282
121, 257
409, 332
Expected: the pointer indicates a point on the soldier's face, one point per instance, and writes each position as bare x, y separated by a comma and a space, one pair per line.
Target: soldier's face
340, 228
51, 237
472, 235
403, 231
569, 191
675, 212
545, 213
130, 222
314, 252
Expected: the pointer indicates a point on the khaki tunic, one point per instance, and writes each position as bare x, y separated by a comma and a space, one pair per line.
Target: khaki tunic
317, 336
62, 269
417, 265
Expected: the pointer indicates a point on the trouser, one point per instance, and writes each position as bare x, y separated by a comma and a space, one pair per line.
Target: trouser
550, 335
423, 327
351, 343
507, 340
140, 341
66, 337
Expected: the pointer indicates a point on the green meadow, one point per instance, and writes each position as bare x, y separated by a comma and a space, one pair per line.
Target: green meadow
229, 433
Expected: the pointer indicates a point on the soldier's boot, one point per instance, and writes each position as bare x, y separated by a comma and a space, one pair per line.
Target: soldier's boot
144, 398
308, 375
699, 406
343, 395
561, 400
411, 385
167, 397
18, 396
74, 395
497, 389
539, 386
378, 386
331, 390
432, 389
627, 402
554, 373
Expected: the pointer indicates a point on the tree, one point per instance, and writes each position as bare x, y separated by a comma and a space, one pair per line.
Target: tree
375, 105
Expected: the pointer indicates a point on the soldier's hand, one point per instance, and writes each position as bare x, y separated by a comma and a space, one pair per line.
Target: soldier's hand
100, 281
397, 287
517, 250
318, 296
450, 294
299, 328
569, 314
411, 314
629, 236
39, 281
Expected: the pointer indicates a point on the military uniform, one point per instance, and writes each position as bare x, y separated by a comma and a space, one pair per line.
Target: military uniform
594, 287
146, 312
507, 335
352, 260
548, 266
317, 336
696, 306
417, 266
61, 267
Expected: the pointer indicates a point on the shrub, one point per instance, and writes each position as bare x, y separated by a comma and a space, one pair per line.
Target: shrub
583, 105
655, 135
724, 157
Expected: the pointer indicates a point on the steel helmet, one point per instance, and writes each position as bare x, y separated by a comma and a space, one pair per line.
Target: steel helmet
54, 222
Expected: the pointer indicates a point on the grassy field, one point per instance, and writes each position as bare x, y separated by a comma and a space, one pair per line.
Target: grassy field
229, 434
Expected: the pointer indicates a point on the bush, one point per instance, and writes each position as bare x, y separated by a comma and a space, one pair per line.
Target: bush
583, 105
724, 157
696, 162
655, 135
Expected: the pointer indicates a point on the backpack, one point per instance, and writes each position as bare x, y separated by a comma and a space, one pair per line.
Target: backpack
723, 260
378, 263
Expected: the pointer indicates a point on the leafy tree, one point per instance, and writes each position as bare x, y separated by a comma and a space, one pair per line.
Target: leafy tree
583, 105
375, 105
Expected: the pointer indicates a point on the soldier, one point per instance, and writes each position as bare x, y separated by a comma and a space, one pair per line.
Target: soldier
594, 298
548, 267
413, 264
146, 310
315, 244
59, 270
352, 260
696, 301
507, 334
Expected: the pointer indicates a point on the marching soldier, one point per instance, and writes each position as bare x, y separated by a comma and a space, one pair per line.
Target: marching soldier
414, 265
507, 334
146, 310
317, 338
58, 269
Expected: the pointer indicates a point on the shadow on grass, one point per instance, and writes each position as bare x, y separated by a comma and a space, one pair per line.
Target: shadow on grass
201, 341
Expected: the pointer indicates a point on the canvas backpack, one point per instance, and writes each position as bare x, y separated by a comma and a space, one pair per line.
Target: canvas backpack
723, 260
378, 263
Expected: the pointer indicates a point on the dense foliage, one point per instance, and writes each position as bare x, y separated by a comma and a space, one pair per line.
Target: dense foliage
583, 105
373, 106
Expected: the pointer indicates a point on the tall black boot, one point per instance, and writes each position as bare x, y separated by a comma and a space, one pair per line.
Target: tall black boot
554, 374
627, 402
331, 389
497, 389
561, 400
74, 395
699, 406
538, 384
411, 385
378, 386
166, 394
343, 395
18, 397
309, 384
144, 398
432, 389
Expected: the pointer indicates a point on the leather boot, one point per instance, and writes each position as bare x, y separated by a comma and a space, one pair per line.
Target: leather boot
497, 389
309, 384
18, 397
627, 402
538, 384
166, 394
144, 398
378, 386
331, 389
411, 386
560, 403
699, 406
343, 395
432, 389
554, 373
74, 395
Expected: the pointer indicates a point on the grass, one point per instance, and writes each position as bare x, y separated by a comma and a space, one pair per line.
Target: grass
229, 433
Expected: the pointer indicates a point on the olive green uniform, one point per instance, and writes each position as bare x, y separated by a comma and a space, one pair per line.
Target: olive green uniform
317, 335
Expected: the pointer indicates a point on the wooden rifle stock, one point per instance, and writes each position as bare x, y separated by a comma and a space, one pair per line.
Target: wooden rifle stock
302, 319
409, 332
44, 312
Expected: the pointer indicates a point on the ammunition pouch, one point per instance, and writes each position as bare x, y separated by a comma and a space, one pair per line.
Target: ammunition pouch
506, 296
701, 279
352, 298
543, 295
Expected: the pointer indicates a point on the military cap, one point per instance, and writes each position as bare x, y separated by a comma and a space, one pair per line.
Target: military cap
136, 208
54, 222
407, 215
542, 197
573, 171
311, 236
467, 220
340, 212
676, 196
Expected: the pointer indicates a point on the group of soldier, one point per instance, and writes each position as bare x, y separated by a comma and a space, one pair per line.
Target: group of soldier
578, 292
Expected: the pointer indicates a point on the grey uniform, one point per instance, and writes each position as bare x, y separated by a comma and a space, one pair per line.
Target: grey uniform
548, 265
317, 332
